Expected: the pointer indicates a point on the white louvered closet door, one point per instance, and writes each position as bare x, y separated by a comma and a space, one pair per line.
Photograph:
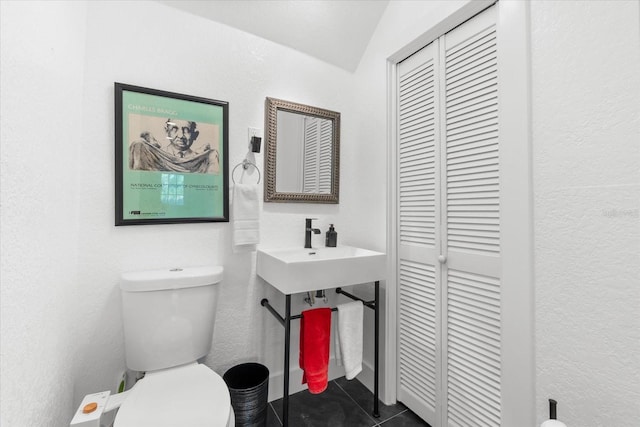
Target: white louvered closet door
462, 269
418, 233
472, 209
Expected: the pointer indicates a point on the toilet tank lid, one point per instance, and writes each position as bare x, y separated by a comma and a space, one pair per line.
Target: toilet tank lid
170, 278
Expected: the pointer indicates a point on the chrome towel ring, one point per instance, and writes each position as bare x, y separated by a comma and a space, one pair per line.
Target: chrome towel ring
245, 165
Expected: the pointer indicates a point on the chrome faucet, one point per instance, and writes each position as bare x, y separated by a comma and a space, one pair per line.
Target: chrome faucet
307, 232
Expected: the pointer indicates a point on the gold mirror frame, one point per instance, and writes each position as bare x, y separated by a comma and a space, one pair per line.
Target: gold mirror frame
272, 106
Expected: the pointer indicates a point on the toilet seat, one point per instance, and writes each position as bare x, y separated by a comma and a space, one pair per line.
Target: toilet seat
186, 396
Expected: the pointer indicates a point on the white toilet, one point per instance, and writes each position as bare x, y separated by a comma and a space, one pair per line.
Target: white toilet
168, 320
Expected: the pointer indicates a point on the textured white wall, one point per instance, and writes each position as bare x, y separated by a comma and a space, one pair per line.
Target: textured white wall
61, 254
42, 69
586, 133
161, 47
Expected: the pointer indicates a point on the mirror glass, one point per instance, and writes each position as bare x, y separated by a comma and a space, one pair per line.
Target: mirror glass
303, 157
302, 153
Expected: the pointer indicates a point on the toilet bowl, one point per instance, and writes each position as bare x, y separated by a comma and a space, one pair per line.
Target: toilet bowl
168, 318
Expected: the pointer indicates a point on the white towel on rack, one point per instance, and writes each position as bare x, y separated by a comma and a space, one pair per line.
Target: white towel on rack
246, 217
349, 338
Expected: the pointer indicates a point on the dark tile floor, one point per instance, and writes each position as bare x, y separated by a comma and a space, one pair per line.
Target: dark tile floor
343, 404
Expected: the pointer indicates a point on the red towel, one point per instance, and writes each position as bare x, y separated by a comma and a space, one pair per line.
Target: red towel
315, 336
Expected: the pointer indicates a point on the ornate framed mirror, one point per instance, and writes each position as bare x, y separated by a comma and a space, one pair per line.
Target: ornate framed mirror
302, 153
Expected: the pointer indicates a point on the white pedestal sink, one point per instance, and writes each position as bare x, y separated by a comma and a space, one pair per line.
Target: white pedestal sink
295, 270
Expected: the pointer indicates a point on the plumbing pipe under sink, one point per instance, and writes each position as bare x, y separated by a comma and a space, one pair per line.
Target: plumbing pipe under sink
310, 299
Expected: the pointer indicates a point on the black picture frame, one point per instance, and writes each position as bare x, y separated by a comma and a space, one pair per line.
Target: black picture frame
171, 157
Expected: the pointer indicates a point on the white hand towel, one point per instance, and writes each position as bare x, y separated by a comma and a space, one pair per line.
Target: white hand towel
336, 342
349, 339
246, 217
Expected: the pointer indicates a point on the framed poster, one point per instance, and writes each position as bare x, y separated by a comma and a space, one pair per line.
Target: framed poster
171, 157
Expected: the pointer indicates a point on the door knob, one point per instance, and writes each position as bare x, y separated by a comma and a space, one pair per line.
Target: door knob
442, 259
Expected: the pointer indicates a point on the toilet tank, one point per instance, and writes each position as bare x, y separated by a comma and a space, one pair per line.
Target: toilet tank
168, 315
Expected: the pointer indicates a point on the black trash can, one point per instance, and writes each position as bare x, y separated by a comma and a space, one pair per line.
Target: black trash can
249, 388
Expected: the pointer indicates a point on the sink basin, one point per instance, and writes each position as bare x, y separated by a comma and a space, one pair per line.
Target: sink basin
297, 270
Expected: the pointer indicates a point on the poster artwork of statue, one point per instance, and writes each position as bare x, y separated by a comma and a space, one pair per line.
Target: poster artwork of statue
184, 147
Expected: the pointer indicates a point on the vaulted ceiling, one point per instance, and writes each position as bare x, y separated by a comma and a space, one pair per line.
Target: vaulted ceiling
335, 31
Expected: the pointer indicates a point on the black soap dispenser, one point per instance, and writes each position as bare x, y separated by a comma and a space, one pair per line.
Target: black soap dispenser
332, 237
